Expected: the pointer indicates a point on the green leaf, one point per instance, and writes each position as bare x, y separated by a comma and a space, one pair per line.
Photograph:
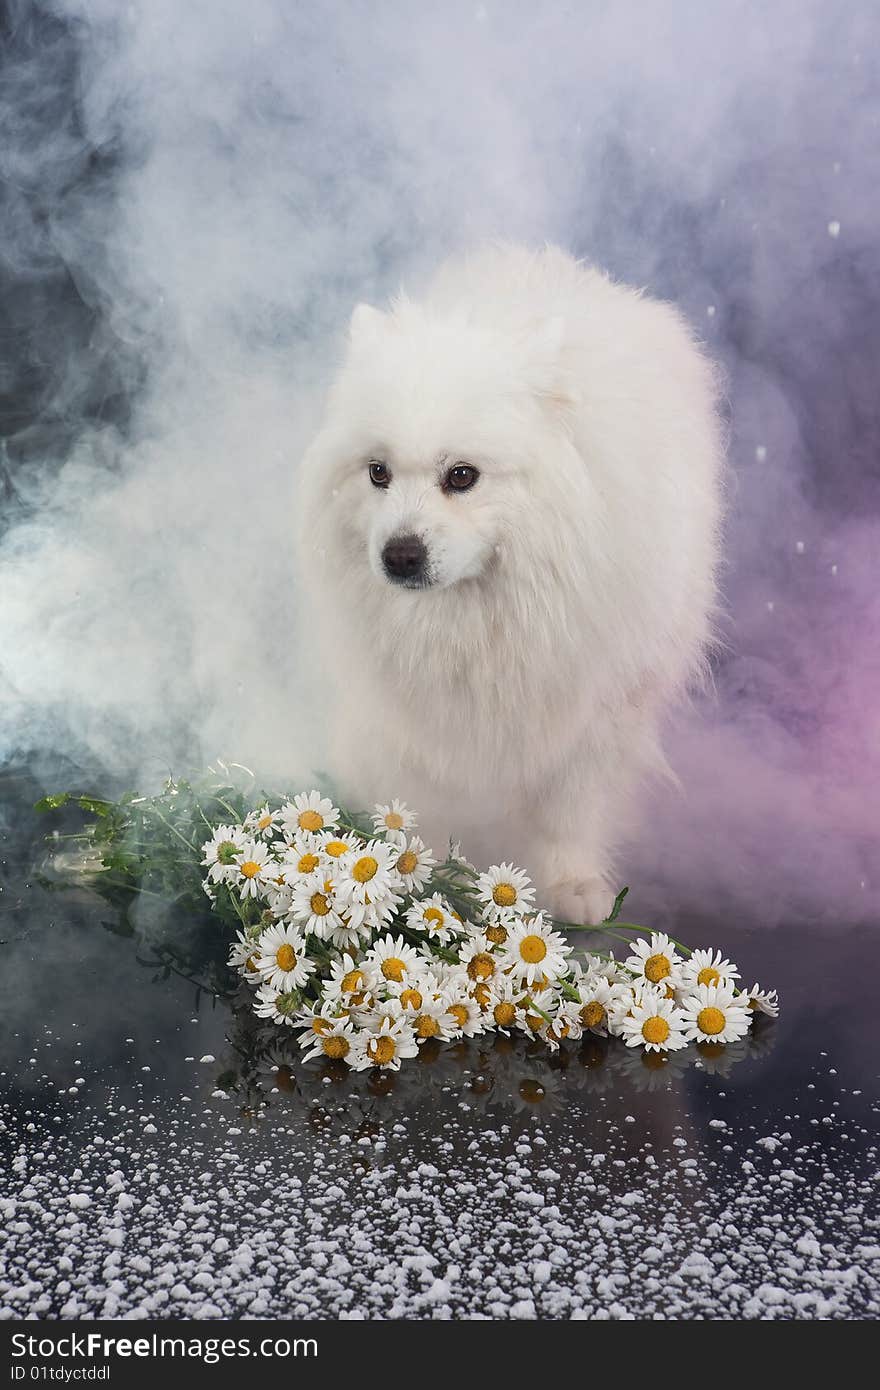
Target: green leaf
91, 803
51, 803
618, 904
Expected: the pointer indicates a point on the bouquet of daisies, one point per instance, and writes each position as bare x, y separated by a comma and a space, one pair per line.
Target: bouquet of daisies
354, 934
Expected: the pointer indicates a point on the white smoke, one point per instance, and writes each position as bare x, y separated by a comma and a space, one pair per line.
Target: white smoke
262, 167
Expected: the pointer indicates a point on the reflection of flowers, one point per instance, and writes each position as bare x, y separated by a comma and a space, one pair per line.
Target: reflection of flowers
719, 1059
491, 1073
652, 1071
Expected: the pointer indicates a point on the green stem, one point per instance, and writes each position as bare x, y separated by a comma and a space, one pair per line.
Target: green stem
176, 832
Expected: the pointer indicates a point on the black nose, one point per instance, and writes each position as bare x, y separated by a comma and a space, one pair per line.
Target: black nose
405, 559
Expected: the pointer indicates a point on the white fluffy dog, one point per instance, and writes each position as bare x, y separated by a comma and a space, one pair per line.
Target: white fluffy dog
509, 528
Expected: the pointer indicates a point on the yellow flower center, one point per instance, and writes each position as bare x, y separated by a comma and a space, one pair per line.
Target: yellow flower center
335, 848
410, 999
264, 821
496, 934
352, 981
657, 968
365, 869
336, 1047
285, 956
320, 904
321, 1025
710, 1021
708, 976
504, 894
434, 916
250, 868
593, 1014
655, 1030
534, 1021
381, 1049
532, 949
407, 862
307, 862
480, 992
459, 1013
561, 1030
251, 964
481, 966
427, 1026
394, 820
504, 1015
393, 968
311, 820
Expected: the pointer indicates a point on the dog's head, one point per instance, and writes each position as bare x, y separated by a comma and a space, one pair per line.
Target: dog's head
436, 429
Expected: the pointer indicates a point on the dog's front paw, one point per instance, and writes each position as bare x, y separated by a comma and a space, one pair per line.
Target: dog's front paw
586, 901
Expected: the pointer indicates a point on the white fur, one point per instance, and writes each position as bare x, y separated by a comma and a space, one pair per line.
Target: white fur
517, 700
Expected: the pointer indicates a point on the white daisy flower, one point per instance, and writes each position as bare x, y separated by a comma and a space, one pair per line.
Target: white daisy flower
496, 932
346, 936
763, 1001
707, 968
392, 1042
263, 823
391, 958
350, 983
477, 956
279, 1007
505, 996
653, 1022
394, 820
713, 1013
314, 905
243, 955
536, 1010
308, 811
253, 870
317, 1017
219, 853
282, 959
414, 864
655, 961
432, 1019
367, 874
533, 951
505, 892
453, 979
336, 845
432, 916
613, 970
302, 855
414, 990
599, 1002
337, 1041
464, 1017
566, 1025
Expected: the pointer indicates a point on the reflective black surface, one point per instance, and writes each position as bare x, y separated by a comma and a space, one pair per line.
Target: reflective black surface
164, 1154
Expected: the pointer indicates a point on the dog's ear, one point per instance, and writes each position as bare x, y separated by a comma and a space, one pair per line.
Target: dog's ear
551, 379
366, 325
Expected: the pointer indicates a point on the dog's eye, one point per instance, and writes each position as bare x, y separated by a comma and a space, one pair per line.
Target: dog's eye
379, 475
460, 478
